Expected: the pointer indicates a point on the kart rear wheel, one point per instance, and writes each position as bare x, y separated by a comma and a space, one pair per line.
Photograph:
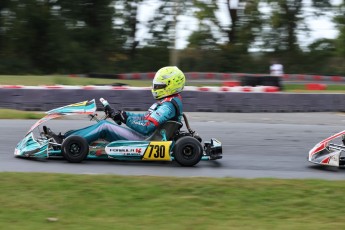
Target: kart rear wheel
75, 149
188, 151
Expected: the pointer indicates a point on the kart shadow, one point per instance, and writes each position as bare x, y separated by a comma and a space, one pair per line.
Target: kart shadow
327, 168
114, 162
165, 164
34, 159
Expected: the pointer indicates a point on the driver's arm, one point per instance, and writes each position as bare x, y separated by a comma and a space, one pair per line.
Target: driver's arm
147, 124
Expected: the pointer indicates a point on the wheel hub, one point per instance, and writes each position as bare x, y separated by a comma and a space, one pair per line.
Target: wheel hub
188, 151
75, 149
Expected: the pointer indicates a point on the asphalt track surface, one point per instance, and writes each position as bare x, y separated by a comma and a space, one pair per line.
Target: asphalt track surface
255, 145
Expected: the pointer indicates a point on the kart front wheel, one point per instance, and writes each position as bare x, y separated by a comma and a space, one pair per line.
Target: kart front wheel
75, 149
188, 151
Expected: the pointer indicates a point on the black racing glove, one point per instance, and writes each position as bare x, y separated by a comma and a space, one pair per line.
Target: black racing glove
109, 111
120, 116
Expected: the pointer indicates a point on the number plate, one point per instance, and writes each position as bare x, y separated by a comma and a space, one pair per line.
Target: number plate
158, 151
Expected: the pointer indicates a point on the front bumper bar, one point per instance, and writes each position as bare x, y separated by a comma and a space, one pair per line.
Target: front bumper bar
213, 149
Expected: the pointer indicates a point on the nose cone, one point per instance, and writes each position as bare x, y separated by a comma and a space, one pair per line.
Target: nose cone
325, 154
316, 150
29, 147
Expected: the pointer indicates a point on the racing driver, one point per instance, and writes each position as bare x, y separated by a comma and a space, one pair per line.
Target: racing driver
168, 82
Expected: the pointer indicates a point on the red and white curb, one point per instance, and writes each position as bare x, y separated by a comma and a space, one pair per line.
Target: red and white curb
231, 76
256, 89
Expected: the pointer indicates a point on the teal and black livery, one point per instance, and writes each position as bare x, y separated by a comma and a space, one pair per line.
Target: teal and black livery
167, 143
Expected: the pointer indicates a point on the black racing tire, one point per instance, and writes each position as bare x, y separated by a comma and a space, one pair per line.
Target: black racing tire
187, 151
75, 149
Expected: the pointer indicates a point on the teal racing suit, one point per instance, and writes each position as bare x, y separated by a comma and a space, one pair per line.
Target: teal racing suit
139, 125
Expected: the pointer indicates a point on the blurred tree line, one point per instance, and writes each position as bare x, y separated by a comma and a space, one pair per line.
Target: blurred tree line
83, 36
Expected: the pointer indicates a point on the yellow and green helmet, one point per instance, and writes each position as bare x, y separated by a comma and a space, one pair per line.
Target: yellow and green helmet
168, 81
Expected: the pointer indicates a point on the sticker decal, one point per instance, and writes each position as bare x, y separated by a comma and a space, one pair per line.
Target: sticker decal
124, 150
334, 159
158, 151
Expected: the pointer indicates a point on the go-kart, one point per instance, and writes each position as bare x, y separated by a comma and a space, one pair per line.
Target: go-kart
330, 151
168, 142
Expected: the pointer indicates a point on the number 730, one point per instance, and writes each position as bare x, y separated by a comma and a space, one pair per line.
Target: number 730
158, 151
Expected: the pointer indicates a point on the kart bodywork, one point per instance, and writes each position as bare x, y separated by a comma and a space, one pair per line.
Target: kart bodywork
329, 151
167, 143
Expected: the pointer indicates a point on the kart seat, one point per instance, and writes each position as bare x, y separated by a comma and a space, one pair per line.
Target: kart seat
168, 128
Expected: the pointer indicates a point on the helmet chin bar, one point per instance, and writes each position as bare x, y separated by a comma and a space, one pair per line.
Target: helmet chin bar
159, 93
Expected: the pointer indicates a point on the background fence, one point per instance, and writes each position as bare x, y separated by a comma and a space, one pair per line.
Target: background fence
194, 100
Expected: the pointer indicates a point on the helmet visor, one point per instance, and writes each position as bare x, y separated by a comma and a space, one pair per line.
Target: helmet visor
159, 85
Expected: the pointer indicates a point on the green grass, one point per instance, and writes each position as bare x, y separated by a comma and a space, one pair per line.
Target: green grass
17, 114
117, 202
66, 80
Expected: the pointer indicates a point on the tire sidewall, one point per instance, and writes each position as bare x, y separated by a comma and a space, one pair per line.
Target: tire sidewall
81, 142
191, 143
